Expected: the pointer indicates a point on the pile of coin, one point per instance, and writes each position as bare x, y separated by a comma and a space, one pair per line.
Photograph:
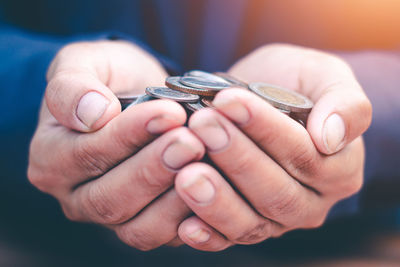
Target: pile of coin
196, 89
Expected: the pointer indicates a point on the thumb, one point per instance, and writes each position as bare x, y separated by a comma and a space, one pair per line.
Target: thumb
341, 114
80, 101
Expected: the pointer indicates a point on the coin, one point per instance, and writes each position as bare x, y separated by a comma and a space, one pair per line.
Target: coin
173, 83
231, 79
282, 98
126, 99
194, 106
205, 75
207, 102
300, 117
168, 93
140, 99
287, 112
205, 84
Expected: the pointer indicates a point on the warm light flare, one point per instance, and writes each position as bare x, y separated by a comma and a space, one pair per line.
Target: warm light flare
329, 24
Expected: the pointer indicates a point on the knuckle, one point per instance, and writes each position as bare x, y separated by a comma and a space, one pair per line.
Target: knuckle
256, 234
242, 164
88, 158
353, 185
137, 238
36, 178
126, 141
317, 220
269, 137
286, 205
42, 181
304, 161
100, 207
41, 172
70, 214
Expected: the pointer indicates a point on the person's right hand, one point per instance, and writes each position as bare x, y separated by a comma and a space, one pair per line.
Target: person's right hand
104, 166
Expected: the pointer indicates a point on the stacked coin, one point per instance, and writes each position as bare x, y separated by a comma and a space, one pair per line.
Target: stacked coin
196, 89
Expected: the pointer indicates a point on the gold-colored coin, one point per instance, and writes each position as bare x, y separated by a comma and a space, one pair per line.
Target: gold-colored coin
282, 98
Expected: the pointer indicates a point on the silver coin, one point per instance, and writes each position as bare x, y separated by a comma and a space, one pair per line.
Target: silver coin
126, 99
282, 98
194, 106
205, 84
168, 93
205, 75
173, 83
141, 99
129, 100
231, 79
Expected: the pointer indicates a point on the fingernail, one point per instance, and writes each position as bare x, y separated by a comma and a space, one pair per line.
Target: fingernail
178, 154
199, 189
198, 235
91, 108
161, 124
232, 108
211, 133
334, 132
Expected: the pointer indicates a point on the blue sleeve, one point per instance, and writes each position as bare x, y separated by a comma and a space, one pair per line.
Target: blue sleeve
24, 59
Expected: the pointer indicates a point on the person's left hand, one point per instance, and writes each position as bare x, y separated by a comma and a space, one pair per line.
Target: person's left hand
279, 175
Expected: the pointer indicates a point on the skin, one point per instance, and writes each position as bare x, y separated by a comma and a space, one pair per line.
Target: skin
119, 174
277, 175
109, 173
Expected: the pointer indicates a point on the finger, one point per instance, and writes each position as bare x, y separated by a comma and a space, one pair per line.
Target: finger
85, 156
80, 101
341, 113
126, 189
176, 242
339, 116
294, 150
197, 234
279, 136
263, 182
214, 201
84, 77
156, 225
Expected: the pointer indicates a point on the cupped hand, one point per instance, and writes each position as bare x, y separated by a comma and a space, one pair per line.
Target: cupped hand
104, 166
273, 174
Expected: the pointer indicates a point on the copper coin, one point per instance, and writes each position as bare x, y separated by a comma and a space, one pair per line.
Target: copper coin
173, 83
